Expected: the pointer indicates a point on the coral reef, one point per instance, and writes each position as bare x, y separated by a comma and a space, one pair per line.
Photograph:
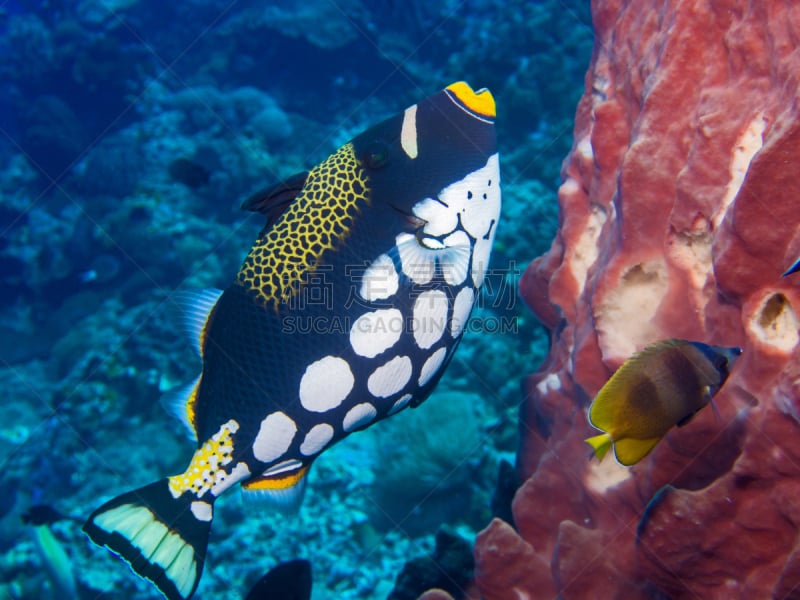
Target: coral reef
678, 215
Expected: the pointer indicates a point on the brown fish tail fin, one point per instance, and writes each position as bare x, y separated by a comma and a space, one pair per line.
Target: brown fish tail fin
600, 443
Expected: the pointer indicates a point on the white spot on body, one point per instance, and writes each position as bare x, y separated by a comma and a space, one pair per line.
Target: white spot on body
430, 317
223, 481
408, 132
202, 511
375, 332
400, 404
390, 377
462, 306
431, 366
282, 467
316, 439
325, 384
274, 437
380, 280
359, 416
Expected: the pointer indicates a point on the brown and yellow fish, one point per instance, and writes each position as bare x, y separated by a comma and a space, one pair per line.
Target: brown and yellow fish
656, 389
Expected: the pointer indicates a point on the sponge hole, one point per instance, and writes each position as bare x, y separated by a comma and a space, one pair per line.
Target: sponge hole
775, 323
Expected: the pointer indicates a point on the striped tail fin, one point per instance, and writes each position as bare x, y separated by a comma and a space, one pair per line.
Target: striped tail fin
161, 537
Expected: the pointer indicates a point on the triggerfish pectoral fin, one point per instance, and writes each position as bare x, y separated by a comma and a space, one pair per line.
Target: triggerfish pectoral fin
601, 443
629, 451
272, 201
161, 537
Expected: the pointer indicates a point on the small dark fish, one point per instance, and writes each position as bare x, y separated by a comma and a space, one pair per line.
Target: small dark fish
189, 173
43, 514
290, 580
102, 269
661, 387
651, 507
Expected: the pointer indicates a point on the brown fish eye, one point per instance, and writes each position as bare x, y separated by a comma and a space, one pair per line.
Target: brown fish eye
376, 156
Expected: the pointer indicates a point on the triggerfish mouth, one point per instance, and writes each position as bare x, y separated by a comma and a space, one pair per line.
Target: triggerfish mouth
347, 310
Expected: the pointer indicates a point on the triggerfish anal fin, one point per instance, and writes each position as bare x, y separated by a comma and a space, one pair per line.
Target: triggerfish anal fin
273, 200
278, 489
162, 538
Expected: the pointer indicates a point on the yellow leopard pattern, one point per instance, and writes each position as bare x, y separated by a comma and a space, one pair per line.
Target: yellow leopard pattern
319, 219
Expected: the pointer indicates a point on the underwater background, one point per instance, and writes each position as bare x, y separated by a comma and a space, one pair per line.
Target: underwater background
130, 133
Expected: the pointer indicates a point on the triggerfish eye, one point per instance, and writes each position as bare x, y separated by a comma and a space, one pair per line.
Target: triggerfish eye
376, 156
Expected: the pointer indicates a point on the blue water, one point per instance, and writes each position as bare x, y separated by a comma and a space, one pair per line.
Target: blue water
95, 232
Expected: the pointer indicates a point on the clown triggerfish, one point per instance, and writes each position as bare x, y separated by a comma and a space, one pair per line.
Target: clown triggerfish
662, 386
380, 251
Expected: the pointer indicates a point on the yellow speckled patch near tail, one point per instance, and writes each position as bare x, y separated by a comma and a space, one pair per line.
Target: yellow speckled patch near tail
319, 219
206, 471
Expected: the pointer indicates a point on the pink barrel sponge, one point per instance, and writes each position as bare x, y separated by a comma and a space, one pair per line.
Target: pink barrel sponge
680, 211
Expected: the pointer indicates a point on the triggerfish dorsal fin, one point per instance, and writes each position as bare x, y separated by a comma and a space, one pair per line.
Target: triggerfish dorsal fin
180, 402
193, 309
629, 451
273, 200
281, 487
